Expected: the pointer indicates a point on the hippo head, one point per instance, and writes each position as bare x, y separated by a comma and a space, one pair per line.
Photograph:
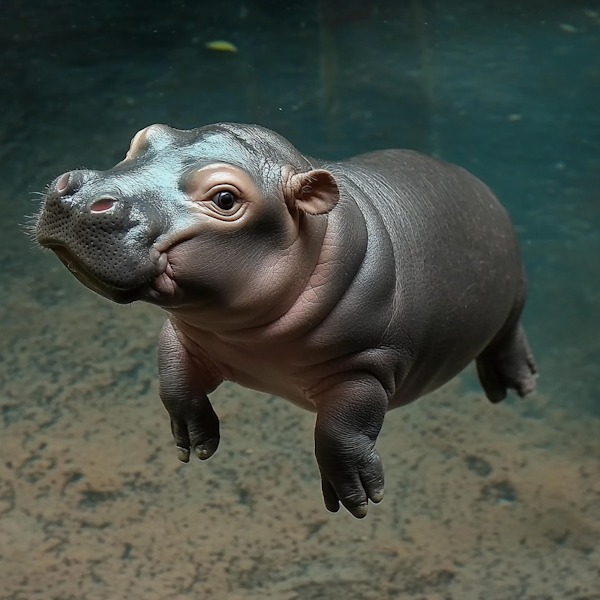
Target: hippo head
219, 215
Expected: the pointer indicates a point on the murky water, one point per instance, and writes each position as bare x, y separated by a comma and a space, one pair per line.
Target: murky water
482, 502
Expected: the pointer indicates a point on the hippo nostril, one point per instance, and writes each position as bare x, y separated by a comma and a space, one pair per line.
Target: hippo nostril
102, 205
62, 185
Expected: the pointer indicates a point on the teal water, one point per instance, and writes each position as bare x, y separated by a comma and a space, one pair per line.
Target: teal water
482, 502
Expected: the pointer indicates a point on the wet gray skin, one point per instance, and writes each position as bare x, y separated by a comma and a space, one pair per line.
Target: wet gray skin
348, 288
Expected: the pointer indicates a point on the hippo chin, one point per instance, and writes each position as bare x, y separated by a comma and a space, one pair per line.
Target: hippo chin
349, 288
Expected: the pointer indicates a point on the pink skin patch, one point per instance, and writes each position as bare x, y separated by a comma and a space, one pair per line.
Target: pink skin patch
102, 205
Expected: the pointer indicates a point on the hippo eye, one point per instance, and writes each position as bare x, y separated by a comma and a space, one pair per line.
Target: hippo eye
224, 200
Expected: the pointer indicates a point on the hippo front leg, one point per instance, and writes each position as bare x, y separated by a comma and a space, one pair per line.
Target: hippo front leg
184, 383
349, 418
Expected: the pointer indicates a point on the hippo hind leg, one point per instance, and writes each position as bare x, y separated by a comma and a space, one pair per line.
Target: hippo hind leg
507, 363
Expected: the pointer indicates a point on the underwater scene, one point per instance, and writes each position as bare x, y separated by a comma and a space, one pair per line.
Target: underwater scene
482, 501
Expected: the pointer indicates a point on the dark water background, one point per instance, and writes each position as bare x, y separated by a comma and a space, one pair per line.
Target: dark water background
509, 90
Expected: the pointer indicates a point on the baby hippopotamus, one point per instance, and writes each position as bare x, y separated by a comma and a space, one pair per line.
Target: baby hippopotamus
349, 288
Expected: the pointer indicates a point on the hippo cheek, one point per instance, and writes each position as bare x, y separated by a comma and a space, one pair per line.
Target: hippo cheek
194, 272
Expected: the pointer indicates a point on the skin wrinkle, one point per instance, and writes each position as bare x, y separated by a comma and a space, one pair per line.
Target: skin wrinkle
396, 298
338, 368
282, 263
295, 321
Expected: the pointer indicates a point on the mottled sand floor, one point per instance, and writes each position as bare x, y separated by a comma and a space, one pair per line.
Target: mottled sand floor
482, 502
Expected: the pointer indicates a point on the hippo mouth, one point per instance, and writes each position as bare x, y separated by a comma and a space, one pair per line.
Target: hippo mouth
91, 281
163, 286
157, 287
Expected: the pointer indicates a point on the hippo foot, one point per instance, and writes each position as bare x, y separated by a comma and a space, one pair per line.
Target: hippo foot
354, 481
198, 431
194, 423
507, 363
349, 418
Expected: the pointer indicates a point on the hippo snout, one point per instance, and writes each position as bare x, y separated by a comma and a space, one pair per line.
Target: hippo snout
103, 236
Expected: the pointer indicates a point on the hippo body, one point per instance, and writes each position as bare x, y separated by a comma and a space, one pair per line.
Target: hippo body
349, 288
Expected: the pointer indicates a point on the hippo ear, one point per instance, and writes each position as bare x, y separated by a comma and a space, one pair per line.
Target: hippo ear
315, 192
